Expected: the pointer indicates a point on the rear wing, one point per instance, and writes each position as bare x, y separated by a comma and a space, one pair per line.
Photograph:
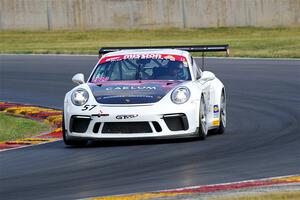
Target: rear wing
191, 48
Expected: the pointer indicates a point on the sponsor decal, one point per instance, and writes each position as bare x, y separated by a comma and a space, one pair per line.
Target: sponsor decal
125, 96
102, 114
216, 108
216, 111
170, 57
185, 64
100, 79
216, 122
126, 116
138, 92
143, 56
131, 88
111, 59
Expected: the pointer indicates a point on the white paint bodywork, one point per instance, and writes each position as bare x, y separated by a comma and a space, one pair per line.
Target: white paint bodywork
210, 88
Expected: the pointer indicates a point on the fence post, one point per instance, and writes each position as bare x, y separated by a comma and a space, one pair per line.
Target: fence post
49, 17
183, 14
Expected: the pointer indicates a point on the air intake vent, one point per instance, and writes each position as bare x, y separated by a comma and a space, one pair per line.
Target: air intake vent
79, 124
126, 127
157, 126
176, 122
96, 127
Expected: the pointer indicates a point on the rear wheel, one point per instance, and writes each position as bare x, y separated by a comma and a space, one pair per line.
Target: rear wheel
202, 132
69, 141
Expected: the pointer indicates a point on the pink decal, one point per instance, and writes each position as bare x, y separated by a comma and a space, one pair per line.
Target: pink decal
143, 56
100, 79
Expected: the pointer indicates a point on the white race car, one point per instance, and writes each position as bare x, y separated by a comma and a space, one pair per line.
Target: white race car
143, 93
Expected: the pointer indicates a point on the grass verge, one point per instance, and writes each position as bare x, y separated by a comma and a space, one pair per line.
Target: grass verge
13, 128
244, 42
291, 195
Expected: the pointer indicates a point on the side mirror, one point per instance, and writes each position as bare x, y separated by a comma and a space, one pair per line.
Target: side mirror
207, 76
78, 78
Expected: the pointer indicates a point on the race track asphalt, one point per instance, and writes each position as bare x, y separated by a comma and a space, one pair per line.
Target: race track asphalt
262, 138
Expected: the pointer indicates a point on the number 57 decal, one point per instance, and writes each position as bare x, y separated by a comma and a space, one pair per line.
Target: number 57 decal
88, 107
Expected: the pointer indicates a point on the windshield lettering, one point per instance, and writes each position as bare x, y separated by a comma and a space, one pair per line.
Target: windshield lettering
132, 88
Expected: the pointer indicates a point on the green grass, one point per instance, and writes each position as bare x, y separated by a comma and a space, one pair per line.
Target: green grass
291, 195
12, 128
244, 42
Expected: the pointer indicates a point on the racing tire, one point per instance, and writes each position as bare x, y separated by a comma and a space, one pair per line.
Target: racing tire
221, 128
203, 129
69, 141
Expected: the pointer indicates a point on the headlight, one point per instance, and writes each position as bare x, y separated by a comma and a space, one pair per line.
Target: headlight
180, 95
80, 97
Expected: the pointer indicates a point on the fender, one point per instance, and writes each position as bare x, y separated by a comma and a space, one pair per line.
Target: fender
216, 90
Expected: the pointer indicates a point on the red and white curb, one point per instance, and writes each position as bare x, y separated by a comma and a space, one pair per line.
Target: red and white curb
204, 189
46, 115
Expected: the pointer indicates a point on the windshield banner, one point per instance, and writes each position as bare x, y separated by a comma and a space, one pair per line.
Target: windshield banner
142, 56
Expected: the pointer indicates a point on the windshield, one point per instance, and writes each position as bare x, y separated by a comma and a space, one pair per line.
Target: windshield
141, 68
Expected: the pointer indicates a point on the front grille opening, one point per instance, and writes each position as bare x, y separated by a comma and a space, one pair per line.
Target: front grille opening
126, 127
79, 124
157, 126
176, 122
96, 127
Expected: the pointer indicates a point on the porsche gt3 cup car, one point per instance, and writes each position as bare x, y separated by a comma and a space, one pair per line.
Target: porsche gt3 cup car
142, 93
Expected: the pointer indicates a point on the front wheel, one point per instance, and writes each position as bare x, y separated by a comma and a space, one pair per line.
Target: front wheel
221, 128
202, 132
69, 141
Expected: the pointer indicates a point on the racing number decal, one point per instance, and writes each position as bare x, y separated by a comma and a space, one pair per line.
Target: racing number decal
88, 107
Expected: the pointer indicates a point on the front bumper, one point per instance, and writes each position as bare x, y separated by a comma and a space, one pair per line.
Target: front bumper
136, 122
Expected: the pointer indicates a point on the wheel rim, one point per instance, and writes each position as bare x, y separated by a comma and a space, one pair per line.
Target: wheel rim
223, 110
203, 118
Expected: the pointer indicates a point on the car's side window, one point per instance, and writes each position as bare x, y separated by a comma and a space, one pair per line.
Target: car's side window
193, 67
196, 70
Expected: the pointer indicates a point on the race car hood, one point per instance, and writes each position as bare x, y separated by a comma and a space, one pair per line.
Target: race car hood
131, 92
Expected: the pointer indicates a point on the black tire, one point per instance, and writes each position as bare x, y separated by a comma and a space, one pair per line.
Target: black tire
69, 141
221, 128
202, 132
